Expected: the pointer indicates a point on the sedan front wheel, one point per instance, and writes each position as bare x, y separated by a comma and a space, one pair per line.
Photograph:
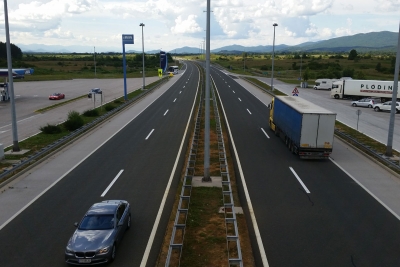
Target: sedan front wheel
377, 109
113, 252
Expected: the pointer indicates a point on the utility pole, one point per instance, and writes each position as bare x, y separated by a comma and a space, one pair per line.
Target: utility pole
94, 60
389, 146
207, 177
11, 82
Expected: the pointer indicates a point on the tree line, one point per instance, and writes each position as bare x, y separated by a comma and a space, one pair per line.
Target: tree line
16, 52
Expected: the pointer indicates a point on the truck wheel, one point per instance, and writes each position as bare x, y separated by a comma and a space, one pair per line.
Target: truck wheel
336, 96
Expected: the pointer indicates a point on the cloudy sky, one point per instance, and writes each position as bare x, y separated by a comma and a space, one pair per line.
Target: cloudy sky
171, 24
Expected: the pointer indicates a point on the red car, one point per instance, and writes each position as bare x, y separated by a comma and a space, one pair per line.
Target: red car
56, 96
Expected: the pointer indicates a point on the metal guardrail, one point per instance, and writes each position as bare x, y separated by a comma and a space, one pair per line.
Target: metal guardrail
178, 231
232, 232
63, 140
388, 161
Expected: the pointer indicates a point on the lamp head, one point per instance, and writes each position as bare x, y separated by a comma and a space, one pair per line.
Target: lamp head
275, 24
141, 24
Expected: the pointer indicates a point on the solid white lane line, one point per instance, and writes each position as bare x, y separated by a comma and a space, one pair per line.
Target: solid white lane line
160, 210
248, 111
369, 192
265, 133
111, 184
300, 181
240, 99
174, 100
149, 134
166, 112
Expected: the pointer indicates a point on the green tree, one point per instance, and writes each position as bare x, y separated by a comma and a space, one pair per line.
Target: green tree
16, 52
352, 55
347, 72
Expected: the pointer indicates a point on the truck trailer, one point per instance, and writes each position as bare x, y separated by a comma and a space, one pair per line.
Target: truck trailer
306, 129
357, 89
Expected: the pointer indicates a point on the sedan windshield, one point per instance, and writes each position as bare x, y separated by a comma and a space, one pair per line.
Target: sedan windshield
97, 222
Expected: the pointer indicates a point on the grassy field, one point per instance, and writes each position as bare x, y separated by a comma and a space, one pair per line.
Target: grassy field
288, 67
79, 66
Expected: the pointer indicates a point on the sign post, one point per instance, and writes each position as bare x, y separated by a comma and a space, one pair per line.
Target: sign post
126, 39
358, 112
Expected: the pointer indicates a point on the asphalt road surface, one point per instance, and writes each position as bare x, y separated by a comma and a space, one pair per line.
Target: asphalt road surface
148, 152
308, 212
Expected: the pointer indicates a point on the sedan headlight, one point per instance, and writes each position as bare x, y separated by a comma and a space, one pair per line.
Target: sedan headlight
103, 250
68, 251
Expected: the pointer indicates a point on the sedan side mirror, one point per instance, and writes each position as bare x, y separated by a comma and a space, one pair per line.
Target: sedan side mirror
76, 224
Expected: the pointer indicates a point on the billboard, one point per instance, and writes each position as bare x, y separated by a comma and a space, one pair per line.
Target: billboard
163, 61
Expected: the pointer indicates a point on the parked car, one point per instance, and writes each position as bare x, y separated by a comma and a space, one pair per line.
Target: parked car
387, 106
366, 102
99, 233
56, 96
94, 91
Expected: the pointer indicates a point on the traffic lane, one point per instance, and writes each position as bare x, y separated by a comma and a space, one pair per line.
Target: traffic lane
293, 205
77, 202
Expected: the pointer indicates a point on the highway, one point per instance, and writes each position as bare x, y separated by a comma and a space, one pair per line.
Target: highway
148, 154
308, 212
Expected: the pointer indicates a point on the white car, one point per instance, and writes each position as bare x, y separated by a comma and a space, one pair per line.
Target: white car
365, 102
387, 106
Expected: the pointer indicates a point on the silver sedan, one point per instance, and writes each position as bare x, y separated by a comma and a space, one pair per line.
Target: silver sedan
97, 235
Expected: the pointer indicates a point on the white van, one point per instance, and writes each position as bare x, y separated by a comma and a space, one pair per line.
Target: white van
324, 84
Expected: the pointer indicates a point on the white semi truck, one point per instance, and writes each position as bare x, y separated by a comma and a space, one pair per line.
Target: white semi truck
357, 89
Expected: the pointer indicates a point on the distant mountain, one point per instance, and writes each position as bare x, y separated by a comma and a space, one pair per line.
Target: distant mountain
362, 42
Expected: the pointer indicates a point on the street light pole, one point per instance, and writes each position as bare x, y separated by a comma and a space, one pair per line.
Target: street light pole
273, 54
94, 60
11, 82
142, 25
301, 64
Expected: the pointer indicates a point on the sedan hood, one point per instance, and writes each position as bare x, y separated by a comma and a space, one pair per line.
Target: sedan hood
90, 240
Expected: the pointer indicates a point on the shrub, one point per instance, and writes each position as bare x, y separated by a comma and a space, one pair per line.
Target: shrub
109, 107
51, 129
117, 101
74, 121
91, 113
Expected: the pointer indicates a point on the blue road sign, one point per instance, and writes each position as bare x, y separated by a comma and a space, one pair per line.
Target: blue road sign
127, 39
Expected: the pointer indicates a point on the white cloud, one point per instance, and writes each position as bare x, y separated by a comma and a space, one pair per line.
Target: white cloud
388, 5
188, 25
233, 21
